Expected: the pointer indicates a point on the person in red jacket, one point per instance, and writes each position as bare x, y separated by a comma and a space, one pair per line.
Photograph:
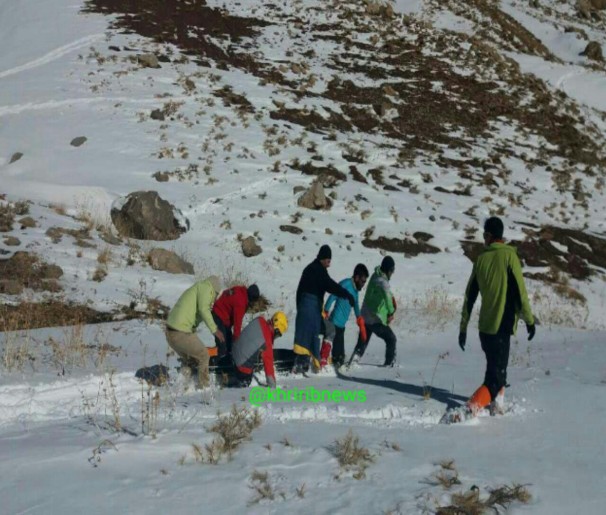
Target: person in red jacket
228, 312
257, 337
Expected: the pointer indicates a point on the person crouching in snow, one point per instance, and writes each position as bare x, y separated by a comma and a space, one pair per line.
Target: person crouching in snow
257, 337
497, 277
228, 312
192, 308
340, 315
377, 311
314, 283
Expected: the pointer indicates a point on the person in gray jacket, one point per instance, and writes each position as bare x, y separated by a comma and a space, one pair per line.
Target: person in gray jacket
257, 337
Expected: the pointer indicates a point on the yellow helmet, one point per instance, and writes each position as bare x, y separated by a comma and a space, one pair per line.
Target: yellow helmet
280, 322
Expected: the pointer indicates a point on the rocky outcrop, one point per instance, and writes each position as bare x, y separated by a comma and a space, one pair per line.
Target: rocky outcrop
146, 216
168, 261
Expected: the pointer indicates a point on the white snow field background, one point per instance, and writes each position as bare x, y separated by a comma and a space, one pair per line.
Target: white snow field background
421, 119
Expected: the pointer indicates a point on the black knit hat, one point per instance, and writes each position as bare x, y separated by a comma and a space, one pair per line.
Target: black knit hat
388, 264
494, 226
324, 253
253, 292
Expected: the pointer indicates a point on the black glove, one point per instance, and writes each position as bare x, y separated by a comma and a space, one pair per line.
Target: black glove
462, 338
350, 298
531, 330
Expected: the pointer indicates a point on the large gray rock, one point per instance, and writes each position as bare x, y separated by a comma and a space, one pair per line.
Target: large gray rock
148, 61
314, 197
146, 216
250, 247
168, 261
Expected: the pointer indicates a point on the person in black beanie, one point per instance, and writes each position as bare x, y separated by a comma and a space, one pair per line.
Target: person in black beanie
314, 283
378, 310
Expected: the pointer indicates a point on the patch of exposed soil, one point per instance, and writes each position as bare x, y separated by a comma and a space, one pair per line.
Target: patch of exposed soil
189, 24
408, 247
312, 120
329, 176
233, 99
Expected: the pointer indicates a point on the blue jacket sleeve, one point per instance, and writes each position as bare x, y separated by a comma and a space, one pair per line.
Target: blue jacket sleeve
349, 285
331, 300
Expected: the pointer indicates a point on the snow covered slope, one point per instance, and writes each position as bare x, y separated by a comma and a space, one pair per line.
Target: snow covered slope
420, 119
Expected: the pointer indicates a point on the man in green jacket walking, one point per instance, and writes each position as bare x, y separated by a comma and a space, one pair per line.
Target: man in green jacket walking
378, 310
497, 277
194, 307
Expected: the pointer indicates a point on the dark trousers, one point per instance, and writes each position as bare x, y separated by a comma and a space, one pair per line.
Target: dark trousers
496, 348
386, 334
224, 348
338, 347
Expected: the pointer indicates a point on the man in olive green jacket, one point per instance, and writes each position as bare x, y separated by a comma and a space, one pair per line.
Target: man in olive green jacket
497, 276
194, 307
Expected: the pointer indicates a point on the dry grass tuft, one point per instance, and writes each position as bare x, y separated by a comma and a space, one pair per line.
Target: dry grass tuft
260, 483
235, 428
470, 503
427, 387
232, 429
351, 455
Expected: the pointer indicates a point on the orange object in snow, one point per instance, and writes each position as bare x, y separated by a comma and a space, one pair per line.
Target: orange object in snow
480, 399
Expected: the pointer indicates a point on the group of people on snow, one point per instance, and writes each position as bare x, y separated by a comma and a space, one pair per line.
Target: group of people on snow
496, 276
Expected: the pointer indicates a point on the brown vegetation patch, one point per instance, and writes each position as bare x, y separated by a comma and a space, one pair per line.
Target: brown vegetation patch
30, 272
191, 25
357, 175
233, 99
406, 246
56, 234
466, 192
327, 175
312, 120
54, 313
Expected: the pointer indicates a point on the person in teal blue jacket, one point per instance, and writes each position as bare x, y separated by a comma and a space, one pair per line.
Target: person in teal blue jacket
340, 315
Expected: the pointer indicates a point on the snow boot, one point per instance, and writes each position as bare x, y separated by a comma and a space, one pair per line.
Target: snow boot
301, 365
479, 400
497, 406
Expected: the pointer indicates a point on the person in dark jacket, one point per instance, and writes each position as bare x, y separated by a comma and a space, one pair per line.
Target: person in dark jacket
377, 311
497, 277
314, 283
228, 312
257, 338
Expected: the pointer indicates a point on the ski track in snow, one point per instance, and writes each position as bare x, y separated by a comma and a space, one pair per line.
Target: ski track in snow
75, 102
53, 55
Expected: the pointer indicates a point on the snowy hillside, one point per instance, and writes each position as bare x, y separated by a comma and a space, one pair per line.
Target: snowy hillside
419, 119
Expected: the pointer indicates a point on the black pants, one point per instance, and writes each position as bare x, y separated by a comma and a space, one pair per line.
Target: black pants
338, 347
224, 348
496, 348
386, 334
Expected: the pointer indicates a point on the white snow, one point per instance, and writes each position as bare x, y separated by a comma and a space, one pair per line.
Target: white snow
60, 448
